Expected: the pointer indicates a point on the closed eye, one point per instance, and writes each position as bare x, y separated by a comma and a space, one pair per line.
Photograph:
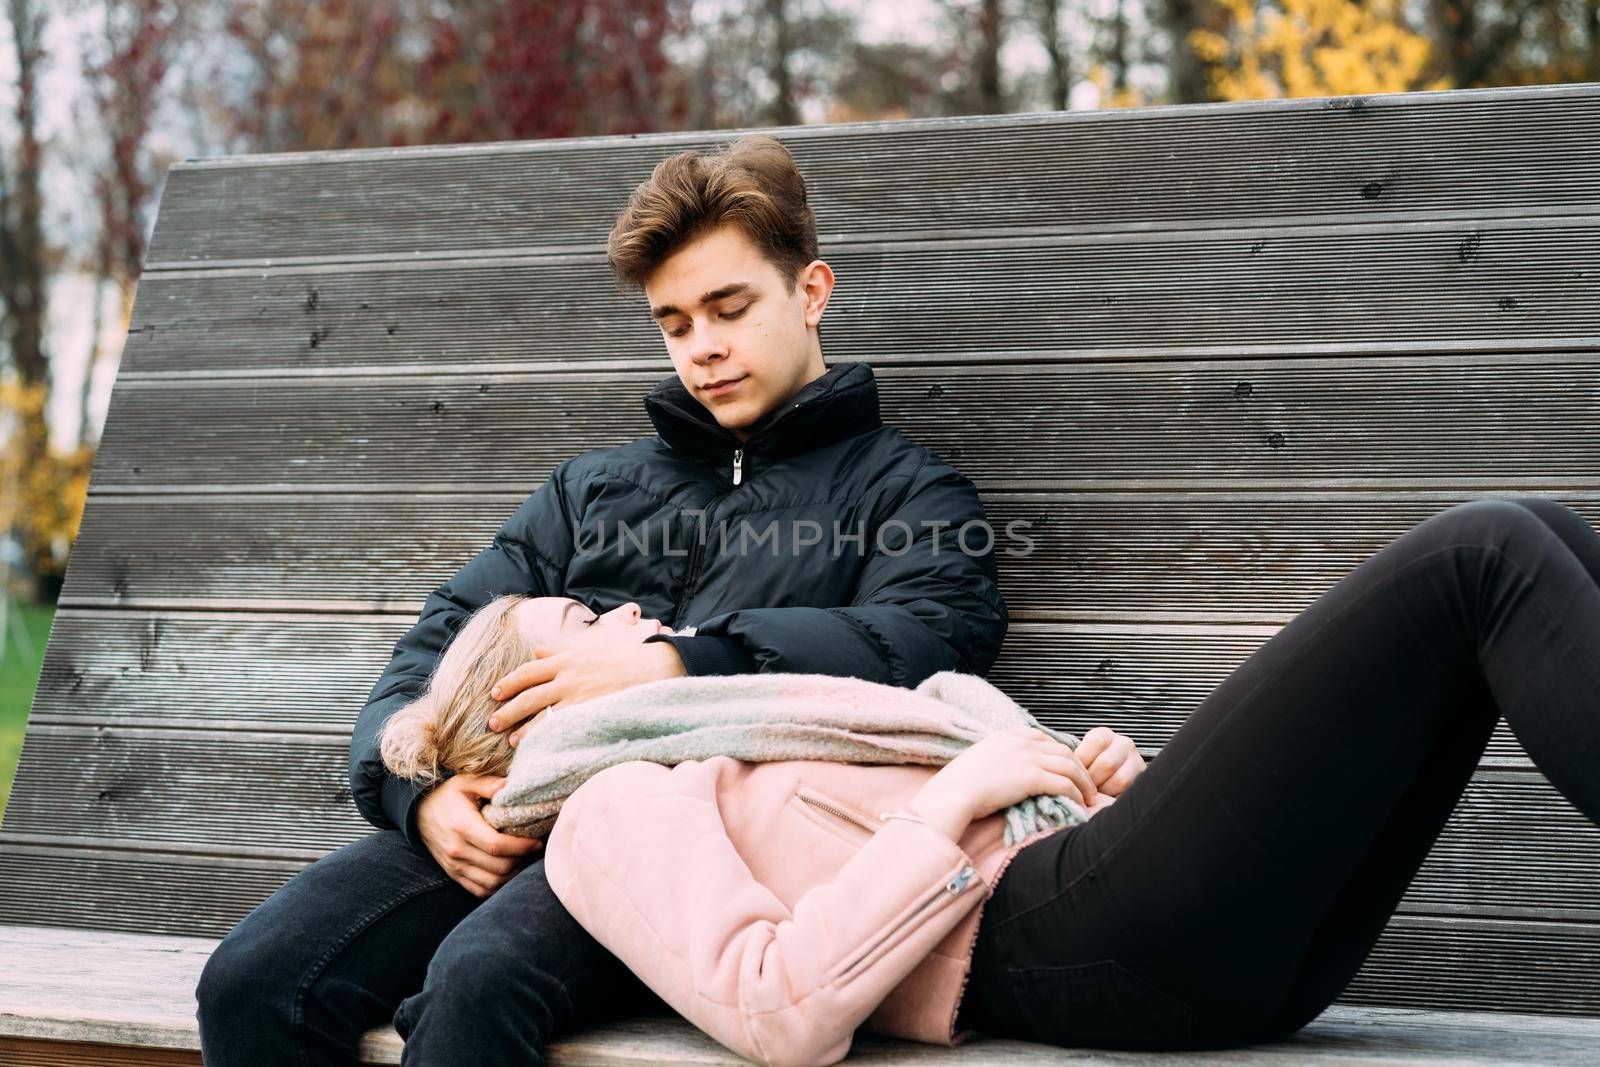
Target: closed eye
725, 314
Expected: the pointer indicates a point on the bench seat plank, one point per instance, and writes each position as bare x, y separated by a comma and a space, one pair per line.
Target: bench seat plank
136, 991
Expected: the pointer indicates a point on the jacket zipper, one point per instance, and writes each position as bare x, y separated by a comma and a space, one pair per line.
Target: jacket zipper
806, 796
692, 574
950, 889
694, 549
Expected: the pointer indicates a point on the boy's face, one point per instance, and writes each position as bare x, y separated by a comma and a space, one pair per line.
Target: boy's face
560, 622
750, 329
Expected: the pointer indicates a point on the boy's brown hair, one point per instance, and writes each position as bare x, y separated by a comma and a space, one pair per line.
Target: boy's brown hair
751, 183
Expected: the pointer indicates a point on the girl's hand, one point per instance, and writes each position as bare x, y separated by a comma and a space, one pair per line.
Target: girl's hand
1113, 759
998, 771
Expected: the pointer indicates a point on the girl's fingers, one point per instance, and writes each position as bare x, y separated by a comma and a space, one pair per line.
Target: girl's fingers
1050, 784
1050, 779
1046, 741
1071, 767
1094, 742
1068, 787
1126, 774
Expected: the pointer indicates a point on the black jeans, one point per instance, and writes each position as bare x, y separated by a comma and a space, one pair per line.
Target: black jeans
378, 926
1235, 888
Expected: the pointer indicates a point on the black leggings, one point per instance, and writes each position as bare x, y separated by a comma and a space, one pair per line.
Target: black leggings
1236, 887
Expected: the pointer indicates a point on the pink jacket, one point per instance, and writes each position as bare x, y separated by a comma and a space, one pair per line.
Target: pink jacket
769, 905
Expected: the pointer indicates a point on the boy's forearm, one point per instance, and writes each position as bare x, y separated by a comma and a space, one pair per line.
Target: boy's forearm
699, 655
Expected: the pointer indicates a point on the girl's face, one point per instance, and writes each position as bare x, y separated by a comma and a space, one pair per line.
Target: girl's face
560, 622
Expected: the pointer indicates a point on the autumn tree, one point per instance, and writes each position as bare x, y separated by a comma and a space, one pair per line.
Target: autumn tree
28, 479
1189, 64
1296, 48
1516, 42
519, 69
308, 74
125, 65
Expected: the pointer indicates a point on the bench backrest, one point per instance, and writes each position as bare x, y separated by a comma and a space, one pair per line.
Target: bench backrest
1216, 356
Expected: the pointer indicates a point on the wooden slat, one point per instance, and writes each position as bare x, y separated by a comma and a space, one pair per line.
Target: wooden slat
1513, 846
1389, 156
28, 1052
1465, 421
91, 985
135, 994
1491, 964
382, 553
134, 891
1520, 285
187, 669
1238, 557
1144, 680
253, 671
192, 788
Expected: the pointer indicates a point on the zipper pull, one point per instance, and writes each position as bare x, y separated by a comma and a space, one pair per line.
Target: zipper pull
738, 465
959, 882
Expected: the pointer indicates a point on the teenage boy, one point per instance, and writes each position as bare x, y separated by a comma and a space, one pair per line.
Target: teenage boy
774, 523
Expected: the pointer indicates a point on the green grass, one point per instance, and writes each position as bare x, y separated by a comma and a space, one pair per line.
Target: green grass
18, 675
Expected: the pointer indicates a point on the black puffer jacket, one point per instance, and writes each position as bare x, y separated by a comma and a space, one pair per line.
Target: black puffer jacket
738, 542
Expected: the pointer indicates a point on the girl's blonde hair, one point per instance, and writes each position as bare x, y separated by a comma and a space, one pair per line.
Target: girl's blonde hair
446, 728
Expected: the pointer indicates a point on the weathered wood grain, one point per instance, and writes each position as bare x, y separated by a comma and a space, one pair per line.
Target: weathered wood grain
1516, 841
128, 886
1486, 421
134, 994
1471, 153
1234, 556
29, 1052
1416, 288
310, 673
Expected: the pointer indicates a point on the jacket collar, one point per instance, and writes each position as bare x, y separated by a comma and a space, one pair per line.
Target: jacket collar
841, 403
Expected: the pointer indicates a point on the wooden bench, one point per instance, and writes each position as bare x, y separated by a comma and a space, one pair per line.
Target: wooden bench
1216, 355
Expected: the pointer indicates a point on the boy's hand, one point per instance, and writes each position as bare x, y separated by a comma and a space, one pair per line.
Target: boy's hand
1112, 759
480, 858
574, 675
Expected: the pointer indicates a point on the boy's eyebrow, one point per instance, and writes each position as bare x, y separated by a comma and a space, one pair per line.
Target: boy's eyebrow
732, 289
566, 611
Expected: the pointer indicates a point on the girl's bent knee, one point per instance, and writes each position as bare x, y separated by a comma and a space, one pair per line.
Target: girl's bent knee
1490, 522
1486, 511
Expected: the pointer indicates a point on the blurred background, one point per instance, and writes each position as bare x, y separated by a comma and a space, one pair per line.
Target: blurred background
99, 97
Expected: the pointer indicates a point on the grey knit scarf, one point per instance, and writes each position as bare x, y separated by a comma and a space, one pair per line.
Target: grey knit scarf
764, 717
